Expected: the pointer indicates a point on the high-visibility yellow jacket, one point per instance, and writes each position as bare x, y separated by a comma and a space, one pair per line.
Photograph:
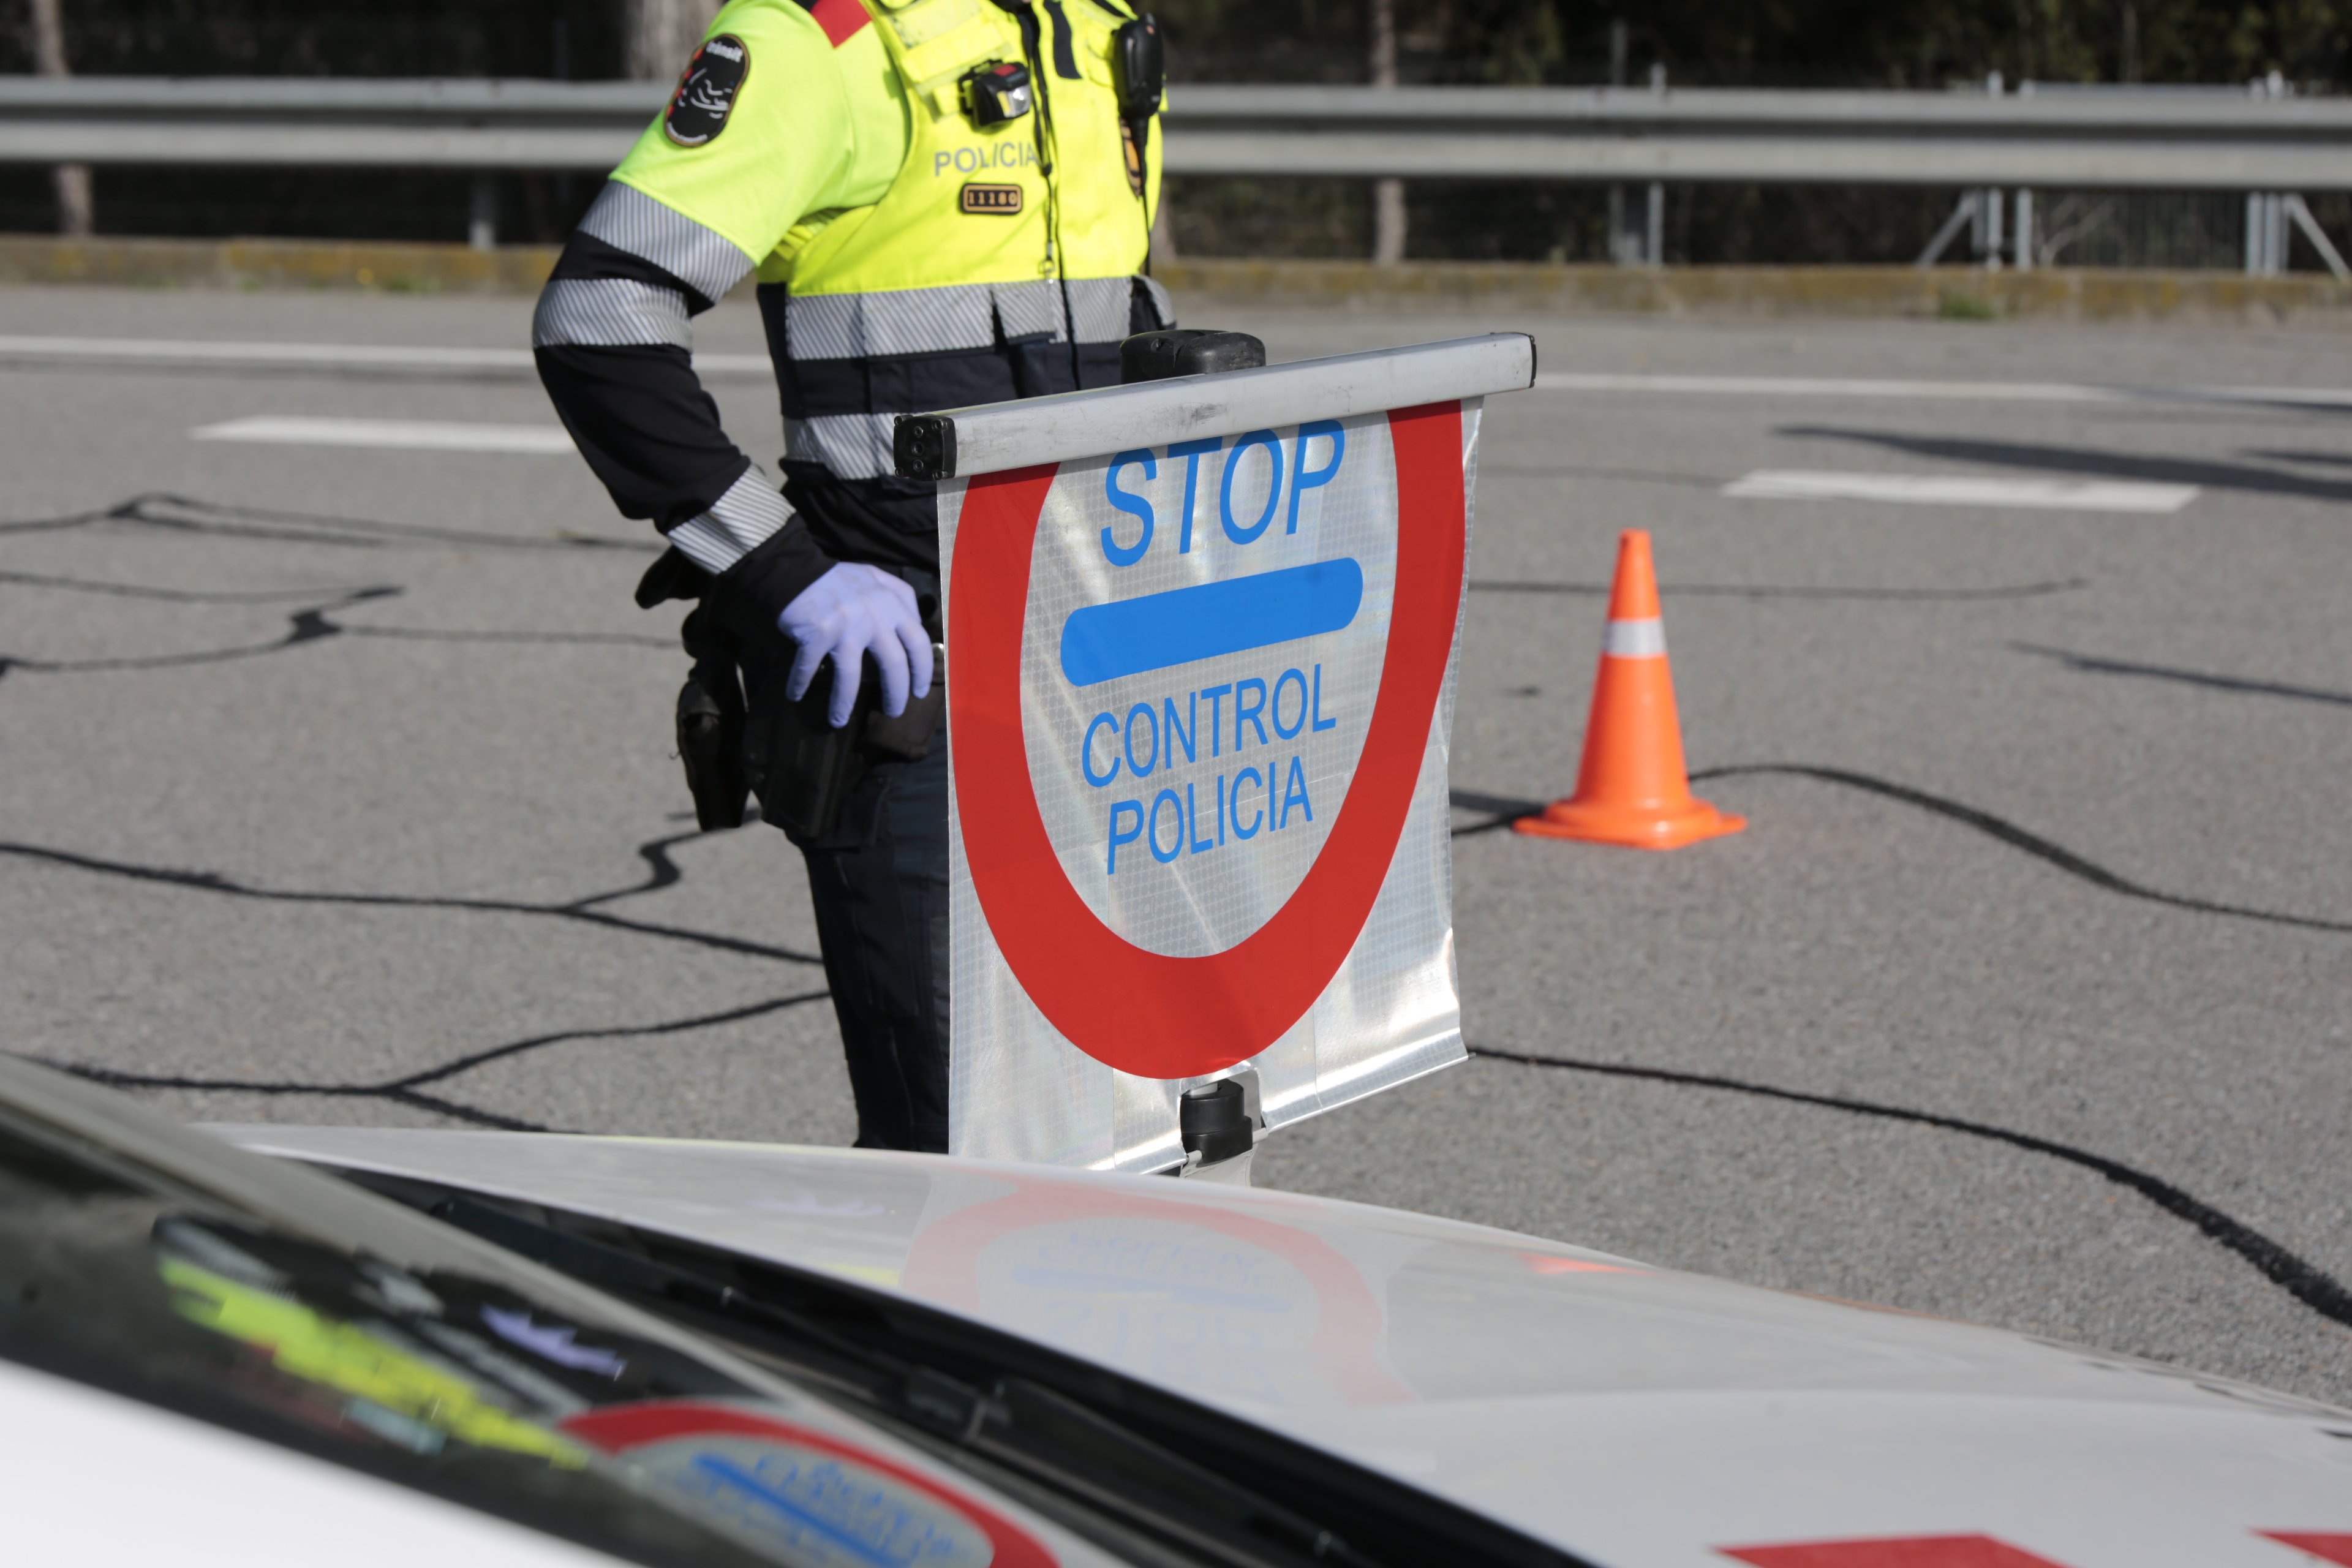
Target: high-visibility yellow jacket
908, 258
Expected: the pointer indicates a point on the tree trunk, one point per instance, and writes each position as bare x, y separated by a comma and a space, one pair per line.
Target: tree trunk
72, 180
1388, 196
656, 36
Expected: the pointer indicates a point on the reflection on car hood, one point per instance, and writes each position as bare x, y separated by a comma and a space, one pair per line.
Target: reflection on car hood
1628, 1413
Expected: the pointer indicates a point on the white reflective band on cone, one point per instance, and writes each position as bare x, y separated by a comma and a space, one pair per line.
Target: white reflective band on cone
1635, 639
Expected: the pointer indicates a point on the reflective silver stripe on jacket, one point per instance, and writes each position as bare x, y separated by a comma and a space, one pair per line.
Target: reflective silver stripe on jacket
895, 322
702, 258
850, 446
1162, 305
748, 513
1101, 308
889, 322
609, 313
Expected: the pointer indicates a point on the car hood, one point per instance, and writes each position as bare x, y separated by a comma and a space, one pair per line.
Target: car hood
1628, 1413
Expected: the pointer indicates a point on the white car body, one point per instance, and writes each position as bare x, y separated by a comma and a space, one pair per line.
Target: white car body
1629, 1414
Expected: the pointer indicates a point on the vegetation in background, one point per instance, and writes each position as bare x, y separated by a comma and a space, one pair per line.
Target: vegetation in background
1920, 44
575, 38
564, 38
1784, 43
1915, 43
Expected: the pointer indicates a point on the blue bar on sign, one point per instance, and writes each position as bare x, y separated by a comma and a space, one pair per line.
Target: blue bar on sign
1129, 636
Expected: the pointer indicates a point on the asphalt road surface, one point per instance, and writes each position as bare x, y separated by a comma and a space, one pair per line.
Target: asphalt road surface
339, 787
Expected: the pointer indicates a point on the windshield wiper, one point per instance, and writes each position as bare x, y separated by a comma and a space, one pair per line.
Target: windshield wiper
1014, 1420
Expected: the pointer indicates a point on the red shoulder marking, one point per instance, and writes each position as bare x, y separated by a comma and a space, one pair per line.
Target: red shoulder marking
841, 19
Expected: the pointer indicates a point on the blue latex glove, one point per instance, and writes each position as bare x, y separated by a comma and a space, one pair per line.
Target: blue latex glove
851, 611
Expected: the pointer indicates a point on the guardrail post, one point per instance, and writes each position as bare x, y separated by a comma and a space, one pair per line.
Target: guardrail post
2266, 211
2266, 220
1637, 232
1988, 234
1636, 239
1654, 232
2024, 247
482, 220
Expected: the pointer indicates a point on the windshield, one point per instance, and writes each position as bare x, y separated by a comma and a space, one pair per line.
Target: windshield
465, 1383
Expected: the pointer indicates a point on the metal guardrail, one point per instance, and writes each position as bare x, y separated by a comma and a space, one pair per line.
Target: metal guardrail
2152, 140
324, 122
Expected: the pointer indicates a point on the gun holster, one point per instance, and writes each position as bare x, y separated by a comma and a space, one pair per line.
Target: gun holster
804, 769
738, 737
711, 727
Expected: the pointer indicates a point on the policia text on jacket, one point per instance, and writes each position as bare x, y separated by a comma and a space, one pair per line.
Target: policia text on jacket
946, 203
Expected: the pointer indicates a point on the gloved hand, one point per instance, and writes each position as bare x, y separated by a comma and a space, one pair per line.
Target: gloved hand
851, 611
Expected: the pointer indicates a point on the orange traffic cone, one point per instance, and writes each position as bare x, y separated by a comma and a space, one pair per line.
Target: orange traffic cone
1632, 788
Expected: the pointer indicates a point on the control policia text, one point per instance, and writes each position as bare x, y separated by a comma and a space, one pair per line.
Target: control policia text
1282, 789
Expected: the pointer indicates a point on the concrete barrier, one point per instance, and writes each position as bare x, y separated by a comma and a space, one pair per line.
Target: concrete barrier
2078, 294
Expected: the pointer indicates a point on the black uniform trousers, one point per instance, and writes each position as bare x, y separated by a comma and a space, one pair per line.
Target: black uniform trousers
879, 882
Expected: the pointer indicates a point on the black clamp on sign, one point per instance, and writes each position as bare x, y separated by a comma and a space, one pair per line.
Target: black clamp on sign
1217, 1133
923, 446
1186, 350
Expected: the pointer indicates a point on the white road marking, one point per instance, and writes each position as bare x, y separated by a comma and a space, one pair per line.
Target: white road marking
1952, 391
343, 356
1963, 489
405, 356
411, 435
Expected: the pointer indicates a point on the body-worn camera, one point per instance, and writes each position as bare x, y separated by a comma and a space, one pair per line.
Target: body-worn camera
997, 92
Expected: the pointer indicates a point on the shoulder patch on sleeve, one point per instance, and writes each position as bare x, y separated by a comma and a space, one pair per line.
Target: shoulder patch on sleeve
841, 19
707, 91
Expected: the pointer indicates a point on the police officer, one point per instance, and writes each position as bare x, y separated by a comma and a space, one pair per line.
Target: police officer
947, 203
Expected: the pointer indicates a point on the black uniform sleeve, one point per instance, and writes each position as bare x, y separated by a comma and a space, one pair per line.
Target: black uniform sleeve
611, 337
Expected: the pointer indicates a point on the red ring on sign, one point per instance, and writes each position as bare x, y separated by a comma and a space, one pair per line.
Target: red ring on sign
1142, 1011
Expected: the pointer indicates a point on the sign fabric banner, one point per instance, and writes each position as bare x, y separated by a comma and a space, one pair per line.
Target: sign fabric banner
1200, 703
